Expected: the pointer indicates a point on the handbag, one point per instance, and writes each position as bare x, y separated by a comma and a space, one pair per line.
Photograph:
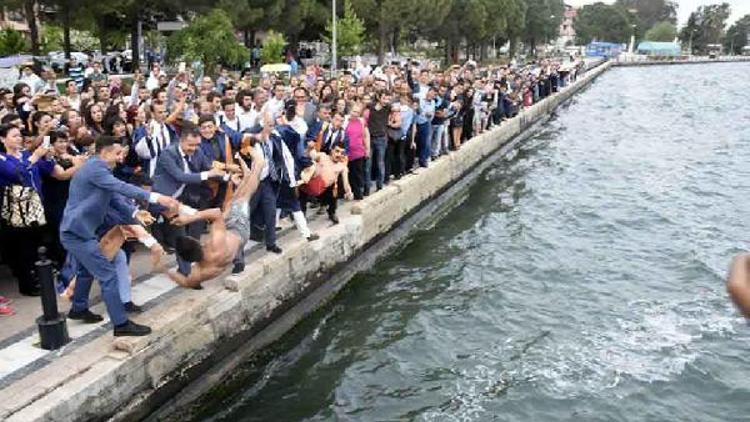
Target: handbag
22, 207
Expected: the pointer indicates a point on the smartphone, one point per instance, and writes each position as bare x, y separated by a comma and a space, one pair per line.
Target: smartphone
46, 142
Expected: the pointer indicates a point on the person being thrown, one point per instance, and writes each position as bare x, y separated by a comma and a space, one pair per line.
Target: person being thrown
229, 230
738, 283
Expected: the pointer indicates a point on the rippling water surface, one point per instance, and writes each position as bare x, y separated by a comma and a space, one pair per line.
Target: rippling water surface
579, 279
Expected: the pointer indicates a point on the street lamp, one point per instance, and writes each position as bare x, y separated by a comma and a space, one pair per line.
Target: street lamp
632, 39
690, 44
333, 47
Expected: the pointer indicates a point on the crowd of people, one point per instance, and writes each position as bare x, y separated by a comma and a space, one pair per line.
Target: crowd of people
85, 166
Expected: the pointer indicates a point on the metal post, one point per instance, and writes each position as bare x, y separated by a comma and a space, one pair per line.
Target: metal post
333, 48
53, 331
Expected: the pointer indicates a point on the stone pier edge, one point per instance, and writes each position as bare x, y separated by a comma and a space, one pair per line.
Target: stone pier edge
199, 336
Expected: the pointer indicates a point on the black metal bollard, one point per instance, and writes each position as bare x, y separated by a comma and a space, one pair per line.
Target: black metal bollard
52, 328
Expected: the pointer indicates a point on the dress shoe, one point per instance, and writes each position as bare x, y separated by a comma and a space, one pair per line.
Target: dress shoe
238, 268
274, 249
313, 237
333, 218
130, 328
132, 308
87, 317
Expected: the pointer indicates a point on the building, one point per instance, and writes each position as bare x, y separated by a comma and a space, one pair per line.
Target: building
567, 32
13, 19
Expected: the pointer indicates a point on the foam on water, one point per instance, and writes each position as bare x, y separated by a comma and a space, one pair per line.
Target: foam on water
581, 278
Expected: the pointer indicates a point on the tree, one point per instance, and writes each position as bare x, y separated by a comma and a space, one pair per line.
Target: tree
603, 22
662, 31
543, 19
350, 32
648, 13
210, 39
737, 35
273, 47
11, 42
705, 26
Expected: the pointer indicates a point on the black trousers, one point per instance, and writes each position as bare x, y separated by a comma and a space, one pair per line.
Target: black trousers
20, 249
357, 177
395, 156
326, 198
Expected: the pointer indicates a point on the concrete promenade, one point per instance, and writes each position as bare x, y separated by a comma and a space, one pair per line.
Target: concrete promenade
97, 377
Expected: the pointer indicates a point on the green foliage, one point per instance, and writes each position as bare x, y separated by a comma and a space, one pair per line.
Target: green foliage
12, 42
543, 19
273, 47
705, 26
350, 32
662, 31
51, 38
210, 39
737, 35
603, 22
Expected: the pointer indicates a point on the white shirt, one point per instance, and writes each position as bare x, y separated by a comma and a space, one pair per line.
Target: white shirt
160, 139
299, 126
248, 118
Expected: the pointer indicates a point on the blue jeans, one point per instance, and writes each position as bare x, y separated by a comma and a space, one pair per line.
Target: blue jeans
424, 132
379, 146
436, 145
263, 205
92, 264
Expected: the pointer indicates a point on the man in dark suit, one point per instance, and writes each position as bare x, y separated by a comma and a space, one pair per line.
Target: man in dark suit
180, 172
92, 194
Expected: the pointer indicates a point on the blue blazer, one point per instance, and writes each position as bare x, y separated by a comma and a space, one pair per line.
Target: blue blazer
170, 175
92, 193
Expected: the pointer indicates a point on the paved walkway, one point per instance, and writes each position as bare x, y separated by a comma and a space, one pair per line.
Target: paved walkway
20, 353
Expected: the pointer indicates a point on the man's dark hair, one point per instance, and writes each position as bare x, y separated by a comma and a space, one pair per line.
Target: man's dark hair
211, 95
155, 93
242, 94
205, 117
4, 129
189, 249
9, 118
227, 101
300, 88
338, 144
104, 141
189, 129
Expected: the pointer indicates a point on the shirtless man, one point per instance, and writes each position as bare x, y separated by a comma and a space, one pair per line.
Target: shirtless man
738, 284
229, 231
323, 183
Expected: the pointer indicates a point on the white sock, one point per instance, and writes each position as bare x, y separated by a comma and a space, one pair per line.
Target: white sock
301, 222
278, 216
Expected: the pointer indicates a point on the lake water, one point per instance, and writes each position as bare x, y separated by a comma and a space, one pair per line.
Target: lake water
581, 278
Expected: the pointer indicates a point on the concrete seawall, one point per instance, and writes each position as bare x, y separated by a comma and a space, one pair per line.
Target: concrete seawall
199, 336
702, 60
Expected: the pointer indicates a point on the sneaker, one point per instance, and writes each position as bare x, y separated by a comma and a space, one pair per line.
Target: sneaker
5, 300
274, 249
238, 268
333, 218
313, 237
132, 308
87, 317
6, 310
130, 328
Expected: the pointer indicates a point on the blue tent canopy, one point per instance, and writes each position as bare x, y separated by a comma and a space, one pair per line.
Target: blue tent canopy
652, 48
603, 49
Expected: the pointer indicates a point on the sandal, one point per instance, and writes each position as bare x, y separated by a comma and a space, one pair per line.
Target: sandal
6, 310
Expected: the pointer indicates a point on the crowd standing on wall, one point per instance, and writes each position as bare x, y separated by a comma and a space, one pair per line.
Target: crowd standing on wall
96, 158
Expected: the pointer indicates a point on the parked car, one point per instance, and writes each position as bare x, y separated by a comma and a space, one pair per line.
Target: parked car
58, 61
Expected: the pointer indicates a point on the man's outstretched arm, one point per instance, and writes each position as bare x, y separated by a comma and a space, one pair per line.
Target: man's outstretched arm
738, 284
197, 275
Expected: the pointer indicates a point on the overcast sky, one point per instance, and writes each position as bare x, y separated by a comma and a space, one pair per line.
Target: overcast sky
740, 8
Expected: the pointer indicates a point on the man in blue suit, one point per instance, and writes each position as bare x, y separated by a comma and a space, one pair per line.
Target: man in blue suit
180, 172
92, 194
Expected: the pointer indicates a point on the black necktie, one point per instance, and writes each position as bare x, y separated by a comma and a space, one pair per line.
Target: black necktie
189, 163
